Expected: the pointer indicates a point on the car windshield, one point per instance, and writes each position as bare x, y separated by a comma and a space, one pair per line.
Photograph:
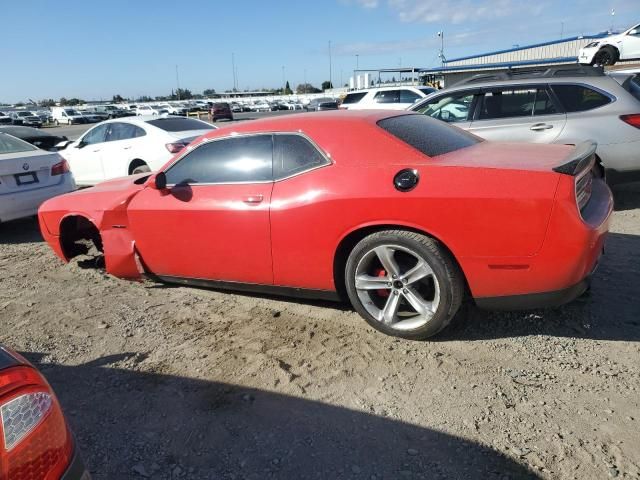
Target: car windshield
180, 124
9, 144
72, 112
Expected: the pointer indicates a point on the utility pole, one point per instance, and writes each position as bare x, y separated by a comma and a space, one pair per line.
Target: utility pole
613, 14
177, 83
330, 67
441, 55
233, 68
284, 85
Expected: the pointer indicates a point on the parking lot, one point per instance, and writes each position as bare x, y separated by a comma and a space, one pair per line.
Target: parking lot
170, 382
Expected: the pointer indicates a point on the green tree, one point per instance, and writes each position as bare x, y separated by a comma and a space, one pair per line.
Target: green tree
117, 99
182, 94
209, 92
307, 88
287, 89
47, 102
63, 101
144, 98
326, 85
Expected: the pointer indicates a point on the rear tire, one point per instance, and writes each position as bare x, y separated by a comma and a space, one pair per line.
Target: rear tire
416, 301
141, 168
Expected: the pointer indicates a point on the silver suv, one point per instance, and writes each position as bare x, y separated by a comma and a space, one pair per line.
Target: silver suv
557, 105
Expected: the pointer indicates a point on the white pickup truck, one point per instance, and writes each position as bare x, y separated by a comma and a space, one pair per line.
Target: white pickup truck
621, 47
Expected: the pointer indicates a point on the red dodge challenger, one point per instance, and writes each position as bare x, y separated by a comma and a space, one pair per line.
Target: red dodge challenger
402, 214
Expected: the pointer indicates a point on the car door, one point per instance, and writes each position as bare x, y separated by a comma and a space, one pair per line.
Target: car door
518, 114
85, 156
456, 108
212, 221
123, 144
630, 46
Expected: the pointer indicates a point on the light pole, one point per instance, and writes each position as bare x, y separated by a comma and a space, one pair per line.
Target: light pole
441, 54
233, 68
177, 83
284, 85
613, 14
330, 67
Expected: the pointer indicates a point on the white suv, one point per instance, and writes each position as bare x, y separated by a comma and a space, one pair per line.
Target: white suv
386, 98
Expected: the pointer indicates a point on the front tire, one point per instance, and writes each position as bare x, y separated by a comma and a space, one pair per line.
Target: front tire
404, 284
144, 168
605, 56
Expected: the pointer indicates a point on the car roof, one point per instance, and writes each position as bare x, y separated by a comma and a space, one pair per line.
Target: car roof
299, 122
384, 89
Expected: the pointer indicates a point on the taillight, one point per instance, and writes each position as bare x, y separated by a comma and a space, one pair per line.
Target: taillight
175, 147
35, 442
633, 119
584, 185
60, 168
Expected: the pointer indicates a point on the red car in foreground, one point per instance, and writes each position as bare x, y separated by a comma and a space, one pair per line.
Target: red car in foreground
402, 214
36, 442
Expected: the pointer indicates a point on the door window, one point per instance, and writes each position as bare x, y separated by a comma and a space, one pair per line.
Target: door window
407, 96
450, 108
245, 159
388, 96
544, 105
508, 104
96, 135
577, 98
294, 154
123, 131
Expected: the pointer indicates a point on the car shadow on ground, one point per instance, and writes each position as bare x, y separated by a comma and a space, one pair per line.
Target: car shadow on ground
25, 230
626, 197
609, 311
131, 424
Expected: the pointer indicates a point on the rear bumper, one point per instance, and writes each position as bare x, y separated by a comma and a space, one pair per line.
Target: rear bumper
76, 470
25, 204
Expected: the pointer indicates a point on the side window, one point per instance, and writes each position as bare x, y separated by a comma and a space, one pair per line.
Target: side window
576, 98
544, 105
508, 104
231, 160
293, 154
96, 135
450, 108
388, 96
407, 96
123, 131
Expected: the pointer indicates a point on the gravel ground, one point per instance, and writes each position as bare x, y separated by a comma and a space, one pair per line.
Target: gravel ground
171, 382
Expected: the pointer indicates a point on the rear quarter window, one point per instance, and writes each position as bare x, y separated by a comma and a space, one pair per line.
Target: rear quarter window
353, 98
634, 87
578, 98
429, 136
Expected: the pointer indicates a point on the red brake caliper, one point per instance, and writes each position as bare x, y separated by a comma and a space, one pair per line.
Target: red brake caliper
381, 273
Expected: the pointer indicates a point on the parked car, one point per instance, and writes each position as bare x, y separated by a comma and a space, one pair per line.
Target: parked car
127, 146
388, 98
38, 443
5, 119
398, 212
92, 117
65, 115
621, 47
319, 104
174, 109
260, 106
220, 110
26, 118
236, 108
150, 110
44, 116
35, 136
565, 105
28, 177
112, 111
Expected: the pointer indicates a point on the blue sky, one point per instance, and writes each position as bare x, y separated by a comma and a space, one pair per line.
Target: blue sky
93, 50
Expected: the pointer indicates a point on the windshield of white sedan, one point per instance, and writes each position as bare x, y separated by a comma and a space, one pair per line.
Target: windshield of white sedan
9, 144
180, 124
429, 136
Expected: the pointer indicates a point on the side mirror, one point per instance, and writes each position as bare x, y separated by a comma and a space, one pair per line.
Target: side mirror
158, 181
81, 144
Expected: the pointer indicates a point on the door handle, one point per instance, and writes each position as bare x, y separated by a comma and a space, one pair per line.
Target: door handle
540, 126
253, 199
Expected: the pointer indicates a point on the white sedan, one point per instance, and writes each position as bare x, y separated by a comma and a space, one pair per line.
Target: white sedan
621, 47
28, 177
127, 146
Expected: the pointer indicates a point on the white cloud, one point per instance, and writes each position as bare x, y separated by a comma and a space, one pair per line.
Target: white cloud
458, 11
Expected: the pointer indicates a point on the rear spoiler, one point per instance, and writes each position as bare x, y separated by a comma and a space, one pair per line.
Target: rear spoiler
581, 158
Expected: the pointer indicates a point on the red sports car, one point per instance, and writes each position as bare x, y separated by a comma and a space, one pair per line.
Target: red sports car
402, 214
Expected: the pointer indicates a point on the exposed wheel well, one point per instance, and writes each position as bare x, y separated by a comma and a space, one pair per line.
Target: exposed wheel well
350, 241
75, 229
135, 164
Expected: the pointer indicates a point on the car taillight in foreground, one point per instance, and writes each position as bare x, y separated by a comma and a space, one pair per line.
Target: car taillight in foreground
60, 168
175, 147
584, 185
633, 119
35, 443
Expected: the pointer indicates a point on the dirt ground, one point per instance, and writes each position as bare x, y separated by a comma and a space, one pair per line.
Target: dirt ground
172, 382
